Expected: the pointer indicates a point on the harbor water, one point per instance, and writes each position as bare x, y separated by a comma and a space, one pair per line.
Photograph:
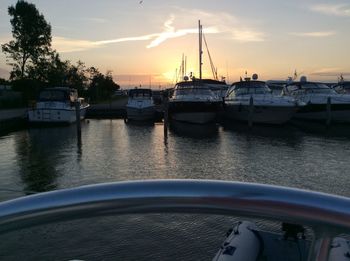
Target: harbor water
42, 159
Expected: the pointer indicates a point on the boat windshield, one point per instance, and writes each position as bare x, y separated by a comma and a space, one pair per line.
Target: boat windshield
192, 91
310, 88
53, 95
249, 87
140, 93
345, 85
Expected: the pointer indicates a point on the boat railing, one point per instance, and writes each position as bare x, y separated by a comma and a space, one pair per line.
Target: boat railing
328, 215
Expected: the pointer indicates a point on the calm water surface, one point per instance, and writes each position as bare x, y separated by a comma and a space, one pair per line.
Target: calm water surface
43, 159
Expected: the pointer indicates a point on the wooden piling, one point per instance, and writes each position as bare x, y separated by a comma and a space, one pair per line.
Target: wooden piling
77, 115
251, 112
329, 111
166, 116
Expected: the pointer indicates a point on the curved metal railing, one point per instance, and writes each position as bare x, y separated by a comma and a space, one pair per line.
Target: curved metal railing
327, 214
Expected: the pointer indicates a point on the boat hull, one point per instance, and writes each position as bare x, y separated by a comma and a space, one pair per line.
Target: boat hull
261, 114
141, 114
318, 112
194, 112
53, 116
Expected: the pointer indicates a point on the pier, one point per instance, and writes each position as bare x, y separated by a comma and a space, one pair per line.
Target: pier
12, 118
112, 109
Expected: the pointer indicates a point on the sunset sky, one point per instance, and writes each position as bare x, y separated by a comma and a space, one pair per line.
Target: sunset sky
142, 42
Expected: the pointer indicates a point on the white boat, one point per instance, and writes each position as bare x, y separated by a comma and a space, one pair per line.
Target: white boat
276, 86
193, 102
140, 106
253, 101
219, 88
322, 102
57, 105
342, 87
311, 225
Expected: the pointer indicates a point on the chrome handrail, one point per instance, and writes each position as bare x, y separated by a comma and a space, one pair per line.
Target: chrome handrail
327, 214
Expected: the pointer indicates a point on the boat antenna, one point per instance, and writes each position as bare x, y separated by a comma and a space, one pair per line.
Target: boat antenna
246, 76
175, 76
295, 75
185, 65
227, 79
200, 49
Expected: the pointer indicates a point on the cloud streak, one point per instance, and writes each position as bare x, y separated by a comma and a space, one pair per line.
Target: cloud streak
170, 32
63, 44
314, 34
223, 25
332, 9
227, 24
248, 36
330, 72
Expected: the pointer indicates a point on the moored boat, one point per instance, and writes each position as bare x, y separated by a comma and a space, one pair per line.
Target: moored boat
253, 101
140, 106
57, 105
193, 102
322, 102
197, 100
219, 88
342, 87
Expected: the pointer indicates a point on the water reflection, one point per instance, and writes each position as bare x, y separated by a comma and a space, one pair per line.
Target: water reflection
335, 130
287, 134
40, 152
41, 159
197, 131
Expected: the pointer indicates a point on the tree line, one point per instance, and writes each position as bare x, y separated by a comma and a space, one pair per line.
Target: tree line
36, 65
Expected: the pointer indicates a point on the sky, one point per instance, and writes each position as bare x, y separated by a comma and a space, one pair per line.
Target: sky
142, 42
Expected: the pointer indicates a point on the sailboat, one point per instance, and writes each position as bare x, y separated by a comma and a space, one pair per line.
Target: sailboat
193, 101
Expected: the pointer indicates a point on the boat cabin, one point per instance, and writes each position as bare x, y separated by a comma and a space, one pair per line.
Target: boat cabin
303, 88
58, 94
247, 88
140, 93
190, 89
342, 87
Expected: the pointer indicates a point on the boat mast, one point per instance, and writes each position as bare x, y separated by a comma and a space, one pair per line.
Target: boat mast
200, 49
185, 66
182, 67
213, 69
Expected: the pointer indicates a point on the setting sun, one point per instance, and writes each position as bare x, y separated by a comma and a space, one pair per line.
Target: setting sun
154, 35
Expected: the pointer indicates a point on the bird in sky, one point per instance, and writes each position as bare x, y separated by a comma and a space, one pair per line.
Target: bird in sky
141, 2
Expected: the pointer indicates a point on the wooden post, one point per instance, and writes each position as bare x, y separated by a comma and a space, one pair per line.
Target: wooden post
329, 111
166, 116
77, 115
251, 112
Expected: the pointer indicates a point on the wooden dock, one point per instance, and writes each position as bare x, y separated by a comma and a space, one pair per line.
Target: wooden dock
12, 118
112, 109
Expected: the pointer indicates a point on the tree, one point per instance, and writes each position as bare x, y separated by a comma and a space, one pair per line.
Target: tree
101, 86
76, 76
4, 82
32, 38
51, 70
